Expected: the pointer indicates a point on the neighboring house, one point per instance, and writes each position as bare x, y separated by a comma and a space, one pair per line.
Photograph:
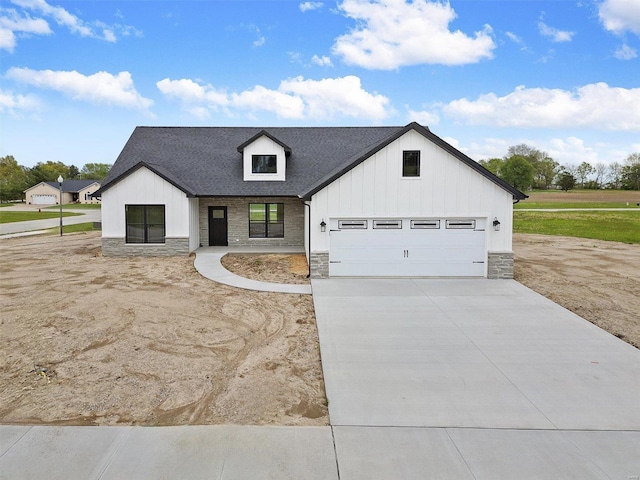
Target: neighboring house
73, 191
363, 201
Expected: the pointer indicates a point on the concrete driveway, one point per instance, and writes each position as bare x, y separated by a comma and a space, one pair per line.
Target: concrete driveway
473, 379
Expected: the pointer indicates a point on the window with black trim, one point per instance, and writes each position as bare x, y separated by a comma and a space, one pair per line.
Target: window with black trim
266, 220
264, 164
145, 223
411, 163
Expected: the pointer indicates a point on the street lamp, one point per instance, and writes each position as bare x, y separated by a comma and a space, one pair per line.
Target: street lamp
60, 179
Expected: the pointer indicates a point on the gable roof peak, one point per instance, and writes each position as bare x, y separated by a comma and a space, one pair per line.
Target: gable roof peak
264, 133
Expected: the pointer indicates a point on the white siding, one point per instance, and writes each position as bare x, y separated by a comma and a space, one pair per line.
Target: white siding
264, 146
446, 188
143, 187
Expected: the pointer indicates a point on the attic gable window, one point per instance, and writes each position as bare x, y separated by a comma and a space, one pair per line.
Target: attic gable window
411, 163
264, 164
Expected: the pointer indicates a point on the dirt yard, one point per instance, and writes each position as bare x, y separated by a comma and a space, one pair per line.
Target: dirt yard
600, 281
88, 340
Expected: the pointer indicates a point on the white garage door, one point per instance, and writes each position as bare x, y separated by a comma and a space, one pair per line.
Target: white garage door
44, 199
407, 247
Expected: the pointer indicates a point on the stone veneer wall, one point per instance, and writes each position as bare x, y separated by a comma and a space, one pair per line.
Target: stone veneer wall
117, 247
238, 221
319, 264
500, 265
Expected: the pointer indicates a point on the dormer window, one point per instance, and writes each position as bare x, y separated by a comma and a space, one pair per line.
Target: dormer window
264, 158
264, 164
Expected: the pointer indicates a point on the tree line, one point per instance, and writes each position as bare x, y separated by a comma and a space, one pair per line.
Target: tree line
527, 168
15, 178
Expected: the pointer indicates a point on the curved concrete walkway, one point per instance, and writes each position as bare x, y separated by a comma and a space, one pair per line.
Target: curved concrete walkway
208, 265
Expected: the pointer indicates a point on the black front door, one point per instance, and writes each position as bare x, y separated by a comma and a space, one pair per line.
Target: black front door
218, 226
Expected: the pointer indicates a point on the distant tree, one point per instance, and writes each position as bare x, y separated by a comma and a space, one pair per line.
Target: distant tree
544, 167
630, 174
95, 171
615, 175
14, 179
517, 171
546, 172
565, 180
48, 172
583, 171
493, 165
73, 172
600, 172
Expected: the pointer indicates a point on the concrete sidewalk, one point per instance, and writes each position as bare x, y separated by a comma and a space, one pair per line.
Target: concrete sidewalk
186, 453
208, 264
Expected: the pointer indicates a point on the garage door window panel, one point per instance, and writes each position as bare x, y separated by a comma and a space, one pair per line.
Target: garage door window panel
387, 224
425, 224
266, 220
145, 223
411, 163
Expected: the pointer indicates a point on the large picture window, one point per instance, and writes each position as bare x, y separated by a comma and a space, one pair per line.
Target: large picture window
264, 164
266, 220
145, 223
411, 163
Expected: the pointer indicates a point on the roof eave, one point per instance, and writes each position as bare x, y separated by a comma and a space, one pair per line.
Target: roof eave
135, 168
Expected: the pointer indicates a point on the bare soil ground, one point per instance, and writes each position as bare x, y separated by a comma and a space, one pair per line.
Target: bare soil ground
88, 340
598, 280
92, 340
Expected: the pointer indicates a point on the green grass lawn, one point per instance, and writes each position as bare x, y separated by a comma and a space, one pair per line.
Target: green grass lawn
608, 225
538, 205
10, 217
6, 205
78, 227
75, 206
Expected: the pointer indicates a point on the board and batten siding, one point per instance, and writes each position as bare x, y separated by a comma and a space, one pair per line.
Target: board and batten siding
143, 187
446, 188
264, 146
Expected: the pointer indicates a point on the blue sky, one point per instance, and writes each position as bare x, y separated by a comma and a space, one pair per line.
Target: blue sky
562, 76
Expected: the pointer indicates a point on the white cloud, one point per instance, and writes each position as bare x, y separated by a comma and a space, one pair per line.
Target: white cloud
554, 34
594, 106
625, 52
513, 37
620, 15
11, 22
76, 25
423, 117
307, 6
295, 98
101, 88
572, 150
13, 103
323, 61
395, 33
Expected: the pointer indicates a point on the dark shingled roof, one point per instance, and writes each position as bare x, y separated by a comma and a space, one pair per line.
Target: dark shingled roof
73, 186
206, 161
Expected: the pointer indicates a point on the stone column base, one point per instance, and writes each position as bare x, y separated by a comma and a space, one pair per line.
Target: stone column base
500, 265
319, 264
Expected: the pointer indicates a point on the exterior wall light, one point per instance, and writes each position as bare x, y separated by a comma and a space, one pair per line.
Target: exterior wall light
496, 224
323, 226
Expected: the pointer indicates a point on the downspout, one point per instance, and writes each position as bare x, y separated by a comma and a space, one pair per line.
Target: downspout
309, 228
